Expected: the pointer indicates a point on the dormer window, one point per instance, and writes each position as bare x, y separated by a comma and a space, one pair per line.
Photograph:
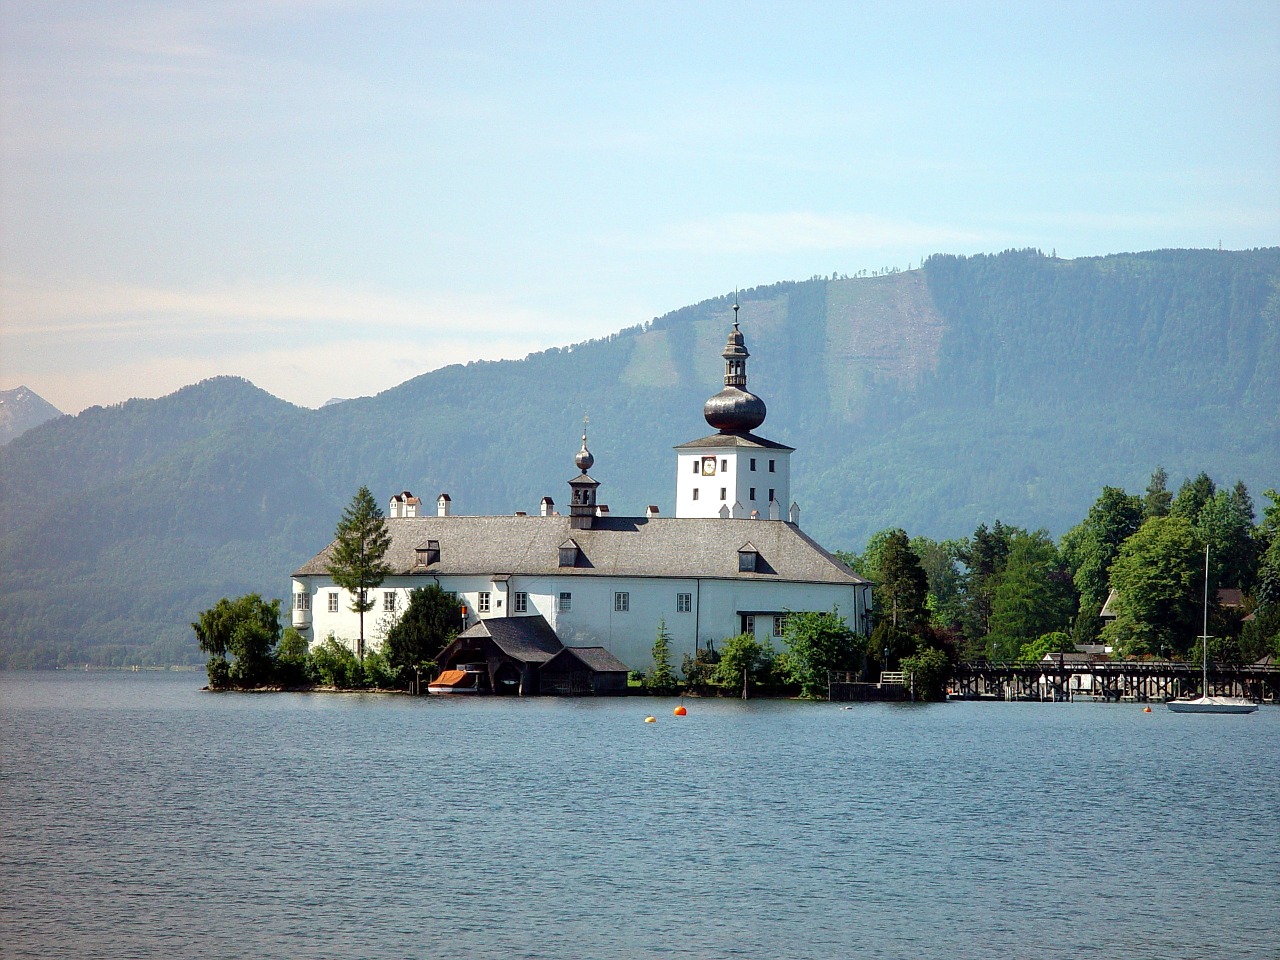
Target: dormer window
427, 553
748, 558
569, 554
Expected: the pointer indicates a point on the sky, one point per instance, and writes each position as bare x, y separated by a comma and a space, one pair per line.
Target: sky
330, 198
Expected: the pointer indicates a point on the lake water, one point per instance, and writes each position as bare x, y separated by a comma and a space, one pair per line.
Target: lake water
145, 818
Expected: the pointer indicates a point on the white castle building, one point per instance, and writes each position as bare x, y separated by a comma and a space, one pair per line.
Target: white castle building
732, 560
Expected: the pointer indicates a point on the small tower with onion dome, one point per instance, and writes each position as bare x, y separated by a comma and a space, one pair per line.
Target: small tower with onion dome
582, 489
734, 472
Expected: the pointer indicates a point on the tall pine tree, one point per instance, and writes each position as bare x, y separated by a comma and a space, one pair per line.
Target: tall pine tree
356, 563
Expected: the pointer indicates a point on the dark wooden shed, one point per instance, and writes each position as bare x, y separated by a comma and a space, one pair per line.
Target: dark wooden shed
523, 655
579, 671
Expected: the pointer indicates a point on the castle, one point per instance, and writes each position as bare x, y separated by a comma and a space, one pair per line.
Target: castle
589, 588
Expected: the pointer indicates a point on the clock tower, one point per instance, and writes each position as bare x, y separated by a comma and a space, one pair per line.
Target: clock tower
734, 473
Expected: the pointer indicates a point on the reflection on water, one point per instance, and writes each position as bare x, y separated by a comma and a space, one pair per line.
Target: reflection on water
144, 817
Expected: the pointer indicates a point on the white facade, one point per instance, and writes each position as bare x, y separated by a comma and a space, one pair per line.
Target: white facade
740, 477
620, 613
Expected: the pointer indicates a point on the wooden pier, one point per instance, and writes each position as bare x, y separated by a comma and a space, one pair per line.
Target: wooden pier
845, 687
1140, 681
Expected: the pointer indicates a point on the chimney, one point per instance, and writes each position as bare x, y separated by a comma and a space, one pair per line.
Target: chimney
442, 505
775, 510
547, 508
602, 510
650, 512
521, 513
793, 515
739, 511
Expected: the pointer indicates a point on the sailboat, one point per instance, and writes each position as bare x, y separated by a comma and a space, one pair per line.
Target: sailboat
1205, 703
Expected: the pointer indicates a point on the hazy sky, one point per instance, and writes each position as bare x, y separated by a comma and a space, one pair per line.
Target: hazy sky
331, 198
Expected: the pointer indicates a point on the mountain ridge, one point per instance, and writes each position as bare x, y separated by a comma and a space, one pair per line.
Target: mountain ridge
1007, 386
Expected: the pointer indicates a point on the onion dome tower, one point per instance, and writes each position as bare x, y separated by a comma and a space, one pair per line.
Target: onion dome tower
735, 409
582, 497
734, 474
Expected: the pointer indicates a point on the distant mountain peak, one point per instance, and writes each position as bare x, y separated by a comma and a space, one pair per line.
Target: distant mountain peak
21, 409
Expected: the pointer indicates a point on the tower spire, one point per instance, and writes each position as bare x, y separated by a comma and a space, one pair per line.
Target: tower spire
734, 409
582, 497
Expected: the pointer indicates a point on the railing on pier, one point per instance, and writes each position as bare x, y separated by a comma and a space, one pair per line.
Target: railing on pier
845, 686
1061, 678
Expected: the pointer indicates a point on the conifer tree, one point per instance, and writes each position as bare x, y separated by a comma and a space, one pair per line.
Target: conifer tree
356, 564
661, 681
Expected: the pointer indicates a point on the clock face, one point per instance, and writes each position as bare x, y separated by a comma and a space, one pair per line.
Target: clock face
708, 466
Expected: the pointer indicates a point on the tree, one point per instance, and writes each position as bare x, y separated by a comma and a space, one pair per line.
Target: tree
355, 562
1225, 524
940, 561
335, 665
743, 659
902, 589
1158, 579
246, 628
428, 626
818, 643
291, 658
1158, 499
927, 673
984, 555
1091, 546
1192, 496
661, 680
699, 667
1034, 596
1055, 642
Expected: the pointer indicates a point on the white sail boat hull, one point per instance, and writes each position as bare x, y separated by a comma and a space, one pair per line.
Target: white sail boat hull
1213, 705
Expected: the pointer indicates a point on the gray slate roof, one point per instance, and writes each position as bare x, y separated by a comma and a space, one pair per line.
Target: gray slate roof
615, 546
597, 658
734, 440
527, 639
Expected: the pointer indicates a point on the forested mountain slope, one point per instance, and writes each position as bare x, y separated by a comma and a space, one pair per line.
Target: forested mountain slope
1010, 386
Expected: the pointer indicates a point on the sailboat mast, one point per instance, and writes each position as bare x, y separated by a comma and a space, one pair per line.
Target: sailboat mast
1204, 631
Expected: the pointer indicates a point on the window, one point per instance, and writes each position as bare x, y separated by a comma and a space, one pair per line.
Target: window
482, 601
302, 601
621, 602
695, 493
724, 466
753, 493
333, 601
569, 554
748, 623
724, 493
389, 601
565, 602
696, 467
753, 464
522, 603
427, 554
772, 465
684, 602
771, 494
747, 561
779, 625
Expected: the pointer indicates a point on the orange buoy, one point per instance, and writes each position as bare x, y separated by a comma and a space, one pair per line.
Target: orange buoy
650, 719
680, 711
1146, 709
